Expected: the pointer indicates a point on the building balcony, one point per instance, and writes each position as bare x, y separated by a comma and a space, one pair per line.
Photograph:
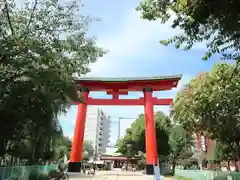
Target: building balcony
100, 126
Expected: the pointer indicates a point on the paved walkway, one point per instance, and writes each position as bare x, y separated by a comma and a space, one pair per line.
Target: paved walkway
114, 175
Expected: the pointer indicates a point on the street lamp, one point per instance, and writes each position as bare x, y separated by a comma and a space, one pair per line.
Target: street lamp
119, 124
119, 127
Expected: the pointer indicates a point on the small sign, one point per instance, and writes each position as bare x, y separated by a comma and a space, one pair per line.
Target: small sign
157, 172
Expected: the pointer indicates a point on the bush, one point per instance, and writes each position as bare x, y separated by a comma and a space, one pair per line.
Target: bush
233, 175
37, 176
167, 172
15, 177
182, 178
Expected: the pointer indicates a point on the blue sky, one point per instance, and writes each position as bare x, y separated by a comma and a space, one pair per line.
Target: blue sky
134, 50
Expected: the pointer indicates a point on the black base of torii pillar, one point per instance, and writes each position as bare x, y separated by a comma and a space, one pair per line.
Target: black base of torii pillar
149, 169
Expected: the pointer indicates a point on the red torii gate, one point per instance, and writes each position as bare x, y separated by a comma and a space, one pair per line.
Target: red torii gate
117, 87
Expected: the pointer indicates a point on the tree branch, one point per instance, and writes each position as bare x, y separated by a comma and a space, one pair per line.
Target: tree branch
30, 19
32, 13
8, 16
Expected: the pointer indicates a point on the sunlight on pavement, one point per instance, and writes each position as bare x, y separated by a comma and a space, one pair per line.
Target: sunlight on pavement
115, 175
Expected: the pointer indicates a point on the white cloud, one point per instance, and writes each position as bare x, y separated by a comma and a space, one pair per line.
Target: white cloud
134, 38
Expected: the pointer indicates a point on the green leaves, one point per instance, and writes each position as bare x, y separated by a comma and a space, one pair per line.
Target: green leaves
62, 147
43, 44
89, 149
179, 140
202, 21
134, 140
210, 104
173, 142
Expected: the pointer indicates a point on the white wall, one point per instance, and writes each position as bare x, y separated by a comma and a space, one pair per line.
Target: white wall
97, 129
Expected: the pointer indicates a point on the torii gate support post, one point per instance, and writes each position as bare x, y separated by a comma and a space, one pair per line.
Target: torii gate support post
150, 132
77, 144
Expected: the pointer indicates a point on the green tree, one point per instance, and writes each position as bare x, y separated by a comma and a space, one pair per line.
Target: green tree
88, 149
199, 20
129, 145
211, 105
134, 140
43, 46
184, 105
181, 144
61, 147
222, 152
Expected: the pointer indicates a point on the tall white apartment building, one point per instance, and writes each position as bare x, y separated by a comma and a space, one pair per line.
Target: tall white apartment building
97, 130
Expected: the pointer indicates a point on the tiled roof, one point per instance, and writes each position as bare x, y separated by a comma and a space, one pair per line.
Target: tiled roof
125, 79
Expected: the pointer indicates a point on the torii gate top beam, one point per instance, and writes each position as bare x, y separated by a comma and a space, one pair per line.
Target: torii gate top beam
124, 85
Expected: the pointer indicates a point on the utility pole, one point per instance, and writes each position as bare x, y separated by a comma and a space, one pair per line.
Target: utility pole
119, 127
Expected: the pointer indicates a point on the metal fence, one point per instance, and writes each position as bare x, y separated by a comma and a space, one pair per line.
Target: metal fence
208, 175
24, 172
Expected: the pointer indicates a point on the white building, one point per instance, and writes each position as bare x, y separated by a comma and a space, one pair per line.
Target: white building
97, 130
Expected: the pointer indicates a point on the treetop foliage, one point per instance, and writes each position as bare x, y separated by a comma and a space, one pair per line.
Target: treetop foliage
43, 45
215, 22
210, 105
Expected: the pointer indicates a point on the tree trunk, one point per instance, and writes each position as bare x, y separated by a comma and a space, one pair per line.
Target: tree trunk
173, 166
38, 144
237, 158
32, 160
235, 165
200, 163
228, 165
11, 160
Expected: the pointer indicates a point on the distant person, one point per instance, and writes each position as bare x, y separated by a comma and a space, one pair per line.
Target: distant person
133, 168
124, 167
84, 169
91, 171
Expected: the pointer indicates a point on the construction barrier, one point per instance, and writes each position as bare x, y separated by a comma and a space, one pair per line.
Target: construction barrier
24, 172
207, 175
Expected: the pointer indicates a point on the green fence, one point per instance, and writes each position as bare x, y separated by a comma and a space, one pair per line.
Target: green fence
24, 172
208, 175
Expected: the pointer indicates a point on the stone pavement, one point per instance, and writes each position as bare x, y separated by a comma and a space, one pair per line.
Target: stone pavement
114, 175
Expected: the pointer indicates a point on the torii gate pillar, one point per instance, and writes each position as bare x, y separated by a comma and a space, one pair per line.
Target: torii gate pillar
150, 132
77, 144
